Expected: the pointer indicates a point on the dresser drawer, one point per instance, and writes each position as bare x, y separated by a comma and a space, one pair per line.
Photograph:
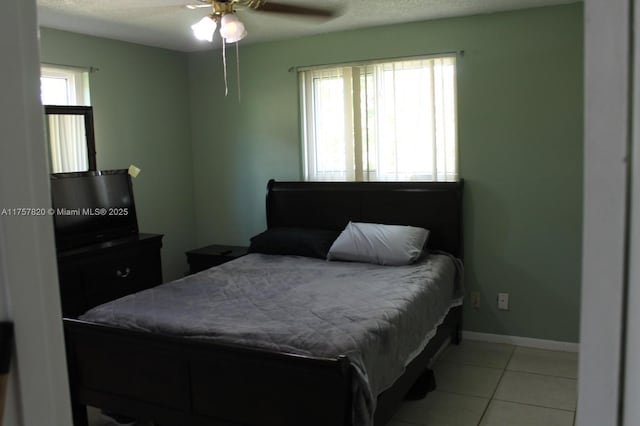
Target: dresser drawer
94, 277
114, 277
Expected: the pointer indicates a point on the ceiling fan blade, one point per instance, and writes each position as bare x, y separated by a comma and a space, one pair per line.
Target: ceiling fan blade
295, 10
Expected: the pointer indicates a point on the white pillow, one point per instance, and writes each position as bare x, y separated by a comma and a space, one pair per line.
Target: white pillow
381, 244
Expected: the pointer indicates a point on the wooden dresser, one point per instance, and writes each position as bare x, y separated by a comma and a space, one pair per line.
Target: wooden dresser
92, 275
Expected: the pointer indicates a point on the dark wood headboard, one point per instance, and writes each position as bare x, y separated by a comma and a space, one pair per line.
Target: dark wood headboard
436, 206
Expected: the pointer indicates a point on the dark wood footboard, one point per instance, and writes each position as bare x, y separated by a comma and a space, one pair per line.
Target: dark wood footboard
180, 382
177, 381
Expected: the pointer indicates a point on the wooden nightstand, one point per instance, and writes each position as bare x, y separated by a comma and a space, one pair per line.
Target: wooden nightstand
209, 256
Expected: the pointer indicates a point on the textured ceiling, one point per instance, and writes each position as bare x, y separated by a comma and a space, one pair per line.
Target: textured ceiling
166, 23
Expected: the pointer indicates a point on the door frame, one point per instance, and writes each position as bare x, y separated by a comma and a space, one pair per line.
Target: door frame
38, 389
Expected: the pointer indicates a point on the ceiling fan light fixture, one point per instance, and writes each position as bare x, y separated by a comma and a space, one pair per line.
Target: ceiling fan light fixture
205, 28
235, 39
231, 28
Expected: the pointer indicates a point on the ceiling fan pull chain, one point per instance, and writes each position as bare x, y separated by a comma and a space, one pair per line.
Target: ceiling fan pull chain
224, 63
238, 71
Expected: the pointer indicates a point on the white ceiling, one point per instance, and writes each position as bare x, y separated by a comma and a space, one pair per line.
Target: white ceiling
166, 23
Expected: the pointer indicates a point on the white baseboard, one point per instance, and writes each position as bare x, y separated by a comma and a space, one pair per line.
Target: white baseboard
529, 342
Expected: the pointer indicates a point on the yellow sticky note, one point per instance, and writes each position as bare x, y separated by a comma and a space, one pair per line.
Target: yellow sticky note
134, 171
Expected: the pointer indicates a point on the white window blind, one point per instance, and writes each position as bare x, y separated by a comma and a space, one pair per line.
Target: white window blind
381, 121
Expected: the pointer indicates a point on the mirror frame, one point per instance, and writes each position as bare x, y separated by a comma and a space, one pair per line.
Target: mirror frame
87, 113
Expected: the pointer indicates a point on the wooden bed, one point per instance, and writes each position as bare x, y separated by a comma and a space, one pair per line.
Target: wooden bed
178, 382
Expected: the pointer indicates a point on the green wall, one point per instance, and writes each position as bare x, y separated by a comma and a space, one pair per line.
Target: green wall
520, 134
206, 159
140, 97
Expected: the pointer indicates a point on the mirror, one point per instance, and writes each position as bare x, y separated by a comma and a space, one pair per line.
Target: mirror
69, 132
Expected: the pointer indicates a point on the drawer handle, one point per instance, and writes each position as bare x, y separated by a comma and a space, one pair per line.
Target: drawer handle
123, 274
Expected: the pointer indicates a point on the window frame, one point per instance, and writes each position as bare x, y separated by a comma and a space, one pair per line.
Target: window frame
77, 82
307, 119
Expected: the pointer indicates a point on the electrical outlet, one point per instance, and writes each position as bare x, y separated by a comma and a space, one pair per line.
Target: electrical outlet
503, 301
475, 299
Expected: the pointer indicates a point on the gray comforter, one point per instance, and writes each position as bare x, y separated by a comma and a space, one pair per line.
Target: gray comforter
381, 317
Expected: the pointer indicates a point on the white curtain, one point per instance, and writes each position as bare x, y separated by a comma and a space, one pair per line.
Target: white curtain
68, 143
384, 121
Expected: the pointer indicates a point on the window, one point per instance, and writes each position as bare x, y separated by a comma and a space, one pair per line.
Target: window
381, 121
64, 85
70, 149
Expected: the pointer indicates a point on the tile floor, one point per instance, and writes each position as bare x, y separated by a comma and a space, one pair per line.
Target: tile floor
489, 384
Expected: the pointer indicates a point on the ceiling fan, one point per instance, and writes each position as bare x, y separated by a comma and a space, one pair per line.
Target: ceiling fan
231, 28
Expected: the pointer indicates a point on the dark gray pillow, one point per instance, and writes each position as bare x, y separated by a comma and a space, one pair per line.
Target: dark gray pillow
294, 241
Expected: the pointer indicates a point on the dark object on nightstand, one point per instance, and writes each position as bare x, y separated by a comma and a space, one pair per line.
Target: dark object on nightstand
213, 255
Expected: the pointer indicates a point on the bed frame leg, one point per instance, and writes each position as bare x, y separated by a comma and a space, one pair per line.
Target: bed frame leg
425, 384
456, 335
456, 332
79, 412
